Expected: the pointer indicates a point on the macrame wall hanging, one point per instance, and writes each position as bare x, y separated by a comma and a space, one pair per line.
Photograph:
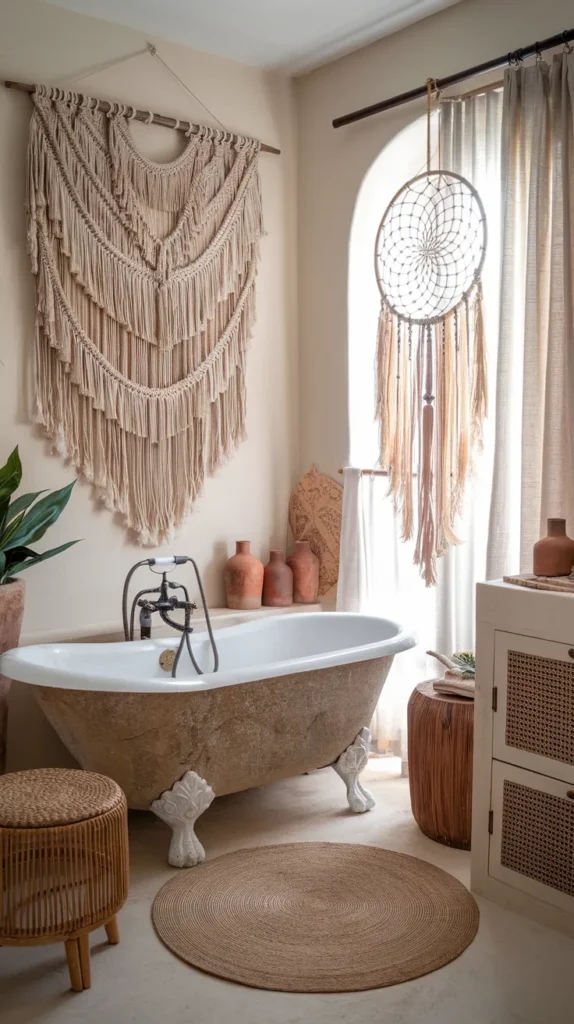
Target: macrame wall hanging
145, 302
431, 362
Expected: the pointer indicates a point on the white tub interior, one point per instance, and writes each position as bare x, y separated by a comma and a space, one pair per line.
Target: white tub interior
253, 650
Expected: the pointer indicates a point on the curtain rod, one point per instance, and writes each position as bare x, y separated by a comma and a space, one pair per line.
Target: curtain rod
460, 76
143, 115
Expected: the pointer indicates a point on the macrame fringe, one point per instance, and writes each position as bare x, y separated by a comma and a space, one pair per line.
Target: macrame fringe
141, 337
428, 437
479, 401
161, 306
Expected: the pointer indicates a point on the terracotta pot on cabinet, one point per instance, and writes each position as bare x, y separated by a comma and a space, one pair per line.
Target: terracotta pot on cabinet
11, 614
554, 554
277, 582
243, 575
305, 566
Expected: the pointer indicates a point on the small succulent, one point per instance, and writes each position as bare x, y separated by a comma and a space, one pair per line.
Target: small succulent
24, 520
466, 661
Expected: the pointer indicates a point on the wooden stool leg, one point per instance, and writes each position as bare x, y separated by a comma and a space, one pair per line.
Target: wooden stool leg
112, 931
73, 958
84, 945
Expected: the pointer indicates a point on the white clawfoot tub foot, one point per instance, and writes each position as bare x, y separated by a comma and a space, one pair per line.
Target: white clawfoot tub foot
180, 807
349, 766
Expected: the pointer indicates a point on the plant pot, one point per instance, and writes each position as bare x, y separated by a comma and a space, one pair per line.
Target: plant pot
554, 555
305, 566
11, 615
277, 582
243, 575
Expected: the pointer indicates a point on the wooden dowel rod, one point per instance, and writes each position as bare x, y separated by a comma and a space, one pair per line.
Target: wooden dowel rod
143, 115
373, 472
370, 472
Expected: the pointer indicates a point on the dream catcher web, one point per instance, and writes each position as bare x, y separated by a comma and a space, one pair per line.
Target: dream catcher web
431, 361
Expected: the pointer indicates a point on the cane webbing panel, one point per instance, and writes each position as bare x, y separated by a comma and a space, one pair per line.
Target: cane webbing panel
540, 706
538, 836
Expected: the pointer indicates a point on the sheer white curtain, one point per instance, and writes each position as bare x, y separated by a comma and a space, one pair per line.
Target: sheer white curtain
377, 575
534, 469
377, 571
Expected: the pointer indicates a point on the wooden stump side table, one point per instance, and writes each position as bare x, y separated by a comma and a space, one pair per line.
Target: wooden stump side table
63, 861
440, 744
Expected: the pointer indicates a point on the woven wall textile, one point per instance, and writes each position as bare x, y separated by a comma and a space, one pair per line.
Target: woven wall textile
431, 360
145, 302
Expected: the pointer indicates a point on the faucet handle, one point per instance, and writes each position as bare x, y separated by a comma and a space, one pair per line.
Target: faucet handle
168, 560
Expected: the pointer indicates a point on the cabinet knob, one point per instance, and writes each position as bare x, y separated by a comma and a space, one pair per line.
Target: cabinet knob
570, 794
571, 652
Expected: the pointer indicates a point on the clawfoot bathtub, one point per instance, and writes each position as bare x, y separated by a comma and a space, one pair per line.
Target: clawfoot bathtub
293, 693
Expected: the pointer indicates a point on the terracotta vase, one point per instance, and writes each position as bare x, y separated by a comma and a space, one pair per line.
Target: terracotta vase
11, 614
243, 576
305, 566
554, 554
277, 582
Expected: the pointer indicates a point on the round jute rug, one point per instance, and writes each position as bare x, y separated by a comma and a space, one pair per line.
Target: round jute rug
316, 917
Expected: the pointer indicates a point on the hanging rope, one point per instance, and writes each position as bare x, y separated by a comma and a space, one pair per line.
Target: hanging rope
104, 67
153, 51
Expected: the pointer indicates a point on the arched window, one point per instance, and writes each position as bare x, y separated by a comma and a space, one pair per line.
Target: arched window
443, 617
402, 158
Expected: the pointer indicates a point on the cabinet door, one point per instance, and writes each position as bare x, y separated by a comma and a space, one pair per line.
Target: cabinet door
533, 725
532, 842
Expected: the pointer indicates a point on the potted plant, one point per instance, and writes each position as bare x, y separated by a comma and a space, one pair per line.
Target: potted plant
23, 521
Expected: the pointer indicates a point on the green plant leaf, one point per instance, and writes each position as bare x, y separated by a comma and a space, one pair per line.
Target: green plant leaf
10, 475
9, 530
20, 566
18, 555
4, 505
14, 513
41, 516
2, 566
22, 503
12, 558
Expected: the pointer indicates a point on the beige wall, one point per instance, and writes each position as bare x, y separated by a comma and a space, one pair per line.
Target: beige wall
332, 164
249, 496
80, 591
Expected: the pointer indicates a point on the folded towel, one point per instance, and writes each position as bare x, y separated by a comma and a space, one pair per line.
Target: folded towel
453, 686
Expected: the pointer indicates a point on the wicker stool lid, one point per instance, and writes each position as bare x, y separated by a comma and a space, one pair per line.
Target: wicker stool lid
44, 797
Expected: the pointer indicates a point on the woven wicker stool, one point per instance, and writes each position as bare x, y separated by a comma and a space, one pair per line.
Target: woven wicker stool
440, 741
63, 861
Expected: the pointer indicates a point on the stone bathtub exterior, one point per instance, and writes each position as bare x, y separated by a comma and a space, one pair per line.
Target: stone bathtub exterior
234, 737
174, 745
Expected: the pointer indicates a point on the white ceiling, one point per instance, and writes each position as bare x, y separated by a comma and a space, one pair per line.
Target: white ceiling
295, 35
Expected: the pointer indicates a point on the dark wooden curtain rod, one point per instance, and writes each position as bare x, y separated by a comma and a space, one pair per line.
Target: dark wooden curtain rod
143, 115
442, 83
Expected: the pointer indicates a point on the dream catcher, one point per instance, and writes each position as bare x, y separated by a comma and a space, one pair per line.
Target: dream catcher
431, 362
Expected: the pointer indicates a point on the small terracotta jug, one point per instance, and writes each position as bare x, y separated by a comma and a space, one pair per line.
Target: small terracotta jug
554, 554
243, 575
305, 566
277, 582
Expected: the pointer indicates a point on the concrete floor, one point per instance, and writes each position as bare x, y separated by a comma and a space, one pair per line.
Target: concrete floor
515, 971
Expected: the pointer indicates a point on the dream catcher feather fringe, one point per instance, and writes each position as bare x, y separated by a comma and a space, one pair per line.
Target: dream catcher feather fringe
431, 382
145, 303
